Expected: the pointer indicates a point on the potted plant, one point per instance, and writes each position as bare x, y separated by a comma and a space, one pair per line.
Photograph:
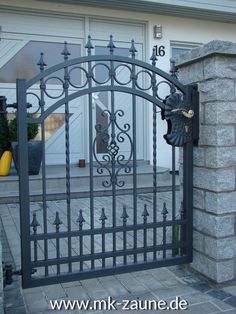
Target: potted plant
34, 147
5, 146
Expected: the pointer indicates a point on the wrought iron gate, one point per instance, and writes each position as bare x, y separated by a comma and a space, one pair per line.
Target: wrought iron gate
118, 237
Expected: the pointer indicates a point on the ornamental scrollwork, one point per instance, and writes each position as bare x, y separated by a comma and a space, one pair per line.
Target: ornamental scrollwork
113, 161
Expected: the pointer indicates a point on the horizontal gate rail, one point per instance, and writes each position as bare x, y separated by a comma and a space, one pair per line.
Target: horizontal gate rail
53, 279
117, 253
84, 232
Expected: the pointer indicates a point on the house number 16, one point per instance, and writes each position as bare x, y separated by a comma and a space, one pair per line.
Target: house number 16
160, 51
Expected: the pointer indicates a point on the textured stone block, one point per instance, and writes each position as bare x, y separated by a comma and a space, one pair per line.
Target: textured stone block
216, 226
201, 113
221, 203
235, 267
220, 113
217, 89
198, 241
224, 271
199, 198
219, 67
192, 74
219, 271
214, 179
218, 157
219, 46
220, 248
217, 135
199, 156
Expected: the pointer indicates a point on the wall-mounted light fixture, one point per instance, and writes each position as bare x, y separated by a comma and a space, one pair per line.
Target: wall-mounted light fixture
157, 31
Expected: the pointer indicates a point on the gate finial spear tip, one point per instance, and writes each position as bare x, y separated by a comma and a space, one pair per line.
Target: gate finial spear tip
65, 51
34, 222
153, 56
145, 212
41, 62
111, 44
103, 216
132, 49
57, 220
80, 219
173, 68
164, 210
89, 45
124, 215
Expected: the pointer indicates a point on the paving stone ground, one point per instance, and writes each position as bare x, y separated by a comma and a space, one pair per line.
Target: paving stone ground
202, 296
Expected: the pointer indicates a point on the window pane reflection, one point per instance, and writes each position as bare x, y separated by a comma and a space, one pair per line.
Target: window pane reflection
52, 124
24, 63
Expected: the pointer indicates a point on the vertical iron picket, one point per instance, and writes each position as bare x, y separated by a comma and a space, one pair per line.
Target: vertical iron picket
42, 65
145, 214
103, 219
111, 47
154, 147
164, 215
35, 224
66, 53
134, 78
57, 222
81, 220
173, 72
89, 48
124, 217
173, 197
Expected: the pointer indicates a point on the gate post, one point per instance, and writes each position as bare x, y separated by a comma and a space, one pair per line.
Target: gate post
213, 68
23, 180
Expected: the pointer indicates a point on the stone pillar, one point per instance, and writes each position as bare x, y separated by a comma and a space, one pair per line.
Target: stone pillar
213, 68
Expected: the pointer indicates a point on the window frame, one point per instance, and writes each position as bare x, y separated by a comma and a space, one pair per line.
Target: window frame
183, 45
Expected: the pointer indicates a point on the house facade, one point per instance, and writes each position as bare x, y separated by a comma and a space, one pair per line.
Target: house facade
31, 27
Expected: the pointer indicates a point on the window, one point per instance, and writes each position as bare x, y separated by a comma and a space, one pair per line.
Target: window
179, 48
24, 63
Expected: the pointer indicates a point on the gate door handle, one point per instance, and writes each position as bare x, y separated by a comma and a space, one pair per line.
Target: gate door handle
188, 114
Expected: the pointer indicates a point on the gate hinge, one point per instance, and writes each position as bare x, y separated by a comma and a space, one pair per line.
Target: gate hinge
4, 106
9, 272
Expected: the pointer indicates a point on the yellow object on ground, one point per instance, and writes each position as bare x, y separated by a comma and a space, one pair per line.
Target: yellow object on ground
5, 163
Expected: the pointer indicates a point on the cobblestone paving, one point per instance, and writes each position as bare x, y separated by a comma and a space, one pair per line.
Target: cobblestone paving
155, 284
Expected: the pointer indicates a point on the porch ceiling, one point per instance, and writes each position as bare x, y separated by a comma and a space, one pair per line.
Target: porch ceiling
215, 10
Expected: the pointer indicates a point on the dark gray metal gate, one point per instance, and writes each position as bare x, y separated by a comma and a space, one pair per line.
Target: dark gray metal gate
160, 236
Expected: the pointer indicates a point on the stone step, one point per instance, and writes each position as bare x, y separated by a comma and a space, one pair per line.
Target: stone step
80, 183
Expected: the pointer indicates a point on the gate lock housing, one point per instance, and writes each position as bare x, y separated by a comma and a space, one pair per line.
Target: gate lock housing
182, 116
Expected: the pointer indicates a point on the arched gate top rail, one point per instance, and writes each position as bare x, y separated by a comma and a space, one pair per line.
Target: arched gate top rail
96, 58
96, 89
